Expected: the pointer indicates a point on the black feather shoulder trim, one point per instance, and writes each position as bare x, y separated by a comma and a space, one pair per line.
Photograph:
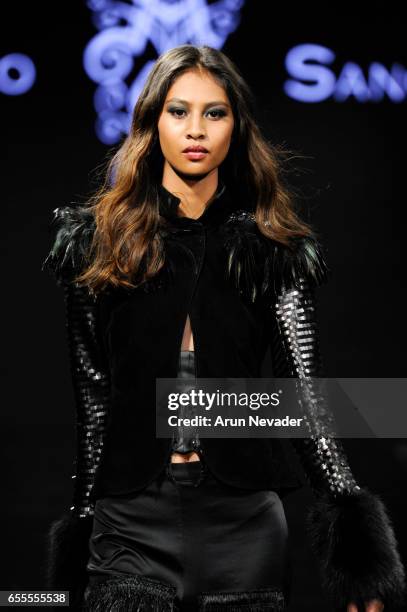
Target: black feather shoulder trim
259, 265
75, 227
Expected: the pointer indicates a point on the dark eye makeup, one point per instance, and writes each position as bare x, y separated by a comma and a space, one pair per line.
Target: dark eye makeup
219, 112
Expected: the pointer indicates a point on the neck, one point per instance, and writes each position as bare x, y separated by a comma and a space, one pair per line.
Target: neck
195, 195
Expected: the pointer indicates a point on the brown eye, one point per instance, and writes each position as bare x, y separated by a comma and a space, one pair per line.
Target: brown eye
214, 114
219, 113
175, 111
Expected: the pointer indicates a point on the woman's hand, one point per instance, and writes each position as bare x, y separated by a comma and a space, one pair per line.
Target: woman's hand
375, 605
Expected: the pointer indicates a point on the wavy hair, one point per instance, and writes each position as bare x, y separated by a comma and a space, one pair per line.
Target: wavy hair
126, 248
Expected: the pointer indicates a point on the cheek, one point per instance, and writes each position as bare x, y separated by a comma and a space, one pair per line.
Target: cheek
165, 138
169, 134
223, 144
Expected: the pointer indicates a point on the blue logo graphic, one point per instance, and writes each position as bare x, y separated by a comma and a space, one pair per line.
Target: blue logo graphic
113, 57
322, 83
17, 74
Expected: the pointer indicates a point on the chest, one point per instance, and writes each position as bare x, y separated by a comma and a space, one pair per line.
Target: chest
194, 303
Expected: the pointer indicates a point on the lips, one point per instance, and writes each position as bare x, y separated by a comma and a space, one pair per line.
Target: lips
197, 149
195, 155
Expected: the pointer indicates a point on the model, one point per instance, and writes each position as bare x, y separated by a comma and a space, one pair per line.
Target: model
191, 262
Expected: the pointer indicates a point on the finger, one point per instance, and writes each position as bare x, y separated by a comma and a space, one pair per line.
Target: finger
375, 606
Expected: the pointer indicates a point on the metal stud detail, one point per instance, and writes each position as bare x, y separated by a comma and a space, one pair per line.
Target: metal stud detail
296, 353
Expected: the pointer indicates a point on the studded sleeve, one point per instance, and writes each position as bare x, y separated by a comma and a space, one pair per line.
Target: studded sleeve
90, 379
88, 361
295, 351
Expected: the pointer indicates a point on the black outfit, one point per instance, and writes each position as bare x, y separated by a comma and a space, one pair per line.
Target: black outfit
192, 533
199, 539
244, 293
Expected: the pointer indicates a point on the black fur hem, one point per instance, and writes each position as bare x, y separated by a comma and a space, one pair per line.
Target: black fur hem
130, 594
353, 539
67, 554
258, 600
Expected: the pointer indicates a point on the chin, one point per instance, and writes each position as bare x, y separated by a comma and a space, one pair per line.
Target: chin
192, 170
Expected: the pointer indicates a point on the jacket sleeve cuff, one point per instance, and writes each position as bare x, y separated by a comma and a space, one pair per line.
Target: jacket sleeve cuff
67, 554
353, 540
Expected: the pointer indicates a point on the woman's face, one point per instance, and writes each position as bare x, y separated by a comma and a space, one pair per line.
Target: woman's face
196, 112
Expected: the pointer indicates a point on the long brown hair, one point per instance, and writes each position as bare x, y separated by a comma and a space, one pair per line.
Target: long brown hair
126, 248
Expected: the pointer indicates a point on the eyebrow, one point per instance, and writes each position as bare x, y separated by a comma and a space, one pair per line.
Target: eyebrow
213, 103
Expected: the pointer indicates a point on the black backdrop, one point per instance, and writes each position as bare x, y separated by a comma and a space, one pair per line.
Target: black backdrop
351, 181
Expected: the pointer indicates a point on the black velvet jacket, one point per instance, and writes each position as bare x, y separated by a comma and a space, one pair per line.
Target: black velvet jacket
244, 293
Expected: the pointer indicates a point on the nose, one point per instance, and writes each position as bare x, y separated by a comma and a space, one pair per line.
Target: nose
195, 128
